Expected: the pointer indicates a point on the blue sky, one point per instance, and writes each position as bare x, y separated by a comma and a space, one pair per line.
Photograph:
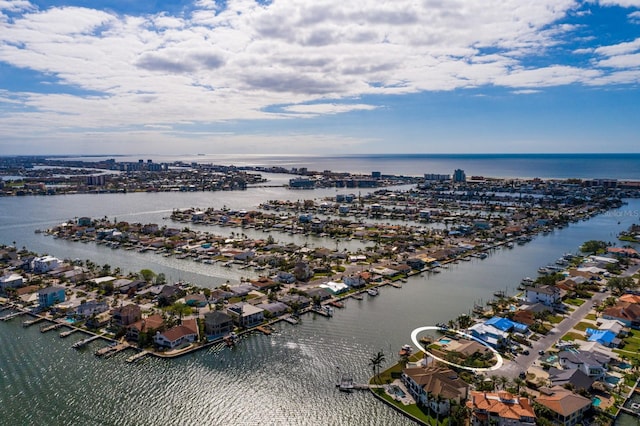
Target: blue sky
319, 77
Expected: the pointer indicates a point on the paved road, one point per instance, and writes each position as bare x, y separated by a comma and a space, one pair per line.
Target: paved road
513, 368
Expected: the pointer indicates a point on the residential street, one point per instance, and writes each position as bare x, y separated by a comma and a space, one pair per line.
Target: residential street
513, 368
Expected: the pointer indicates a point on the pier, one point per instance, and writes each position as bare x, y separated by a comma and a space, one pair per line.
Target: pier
630, 411
111, 350
137, 356
68, 333
13, 315
50, 327
29, 323
83, 343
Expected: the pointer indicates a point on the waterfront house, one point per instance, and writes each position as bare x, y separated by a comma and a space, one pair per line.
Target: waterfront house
335, 287
217, 324
44, 264
187, 332
99, 320
320, 293
245, 315
567, 407
493, 336
49, 296
274, 309
11, 281
500, 408
435, 387
593, 364
150, 324
505, 324
545, 294
126, 315
92, 307
354, 281
292, 299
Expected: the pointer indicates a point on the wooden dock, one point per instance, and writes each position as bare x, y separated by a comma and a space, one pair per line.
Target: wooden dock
291, 320
265, 329
630, 411
29, 323
111, 350
137, 356
50, 327
13, 315
68, 333
84, 342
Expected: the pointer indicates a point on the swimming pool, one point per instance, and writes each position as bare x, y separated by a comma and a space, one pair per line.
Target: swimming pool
69, 320
551, 359
612, 380
395, 390
596, 401
444, 341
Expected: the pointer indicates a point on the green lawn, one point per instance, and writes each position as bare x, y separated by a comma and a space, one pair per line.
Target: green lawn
413, 409
582, 326
572, 336
555, 319
575, 302
591, 317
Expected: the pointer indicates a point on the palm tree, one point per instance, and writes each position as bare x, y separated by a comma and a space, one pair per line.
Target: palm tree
376, 362
504, 381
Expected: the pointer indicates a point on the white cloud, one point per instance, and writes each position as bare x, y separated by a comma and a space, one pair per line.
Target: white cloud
316, 109
634, 17
621, 3
306, 57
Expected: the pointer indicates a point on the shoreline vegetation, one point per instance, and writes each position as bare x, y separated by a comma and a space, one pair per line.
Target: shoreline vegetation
434, 224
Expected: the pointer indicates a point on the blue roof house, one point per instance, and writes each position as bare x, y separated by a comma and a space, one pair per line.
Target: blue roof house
604, 337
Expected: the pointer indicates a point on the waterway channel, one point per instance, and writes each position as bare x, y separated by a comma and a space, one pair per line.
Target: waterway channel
283, 379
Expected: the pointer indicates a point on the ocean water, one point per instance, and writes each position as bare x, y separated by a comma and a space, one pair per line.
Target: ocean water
546, 166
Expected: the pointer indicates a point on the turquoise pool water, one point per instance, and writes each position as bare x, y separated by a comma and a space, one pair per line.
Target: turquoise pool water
69, 320
596, 401
444, 341
612, 380
397, 391
551, 359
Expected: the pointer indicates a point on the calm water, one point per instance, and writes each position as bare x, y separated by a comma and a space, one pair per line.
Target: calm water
287, 378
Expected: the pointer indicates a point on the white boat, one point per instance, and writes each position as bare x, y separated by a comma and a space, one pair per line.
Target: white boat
373, 291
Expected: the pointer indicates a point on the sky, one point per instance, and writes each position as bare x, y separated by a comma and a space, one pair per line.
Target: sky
319, 76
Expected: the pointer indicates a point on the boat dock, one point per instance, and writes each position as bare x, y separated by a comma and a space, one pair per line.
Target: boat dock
112, 349
29, 323
13, 315
634, 413
137, 356
86, 341
321, 311
68, 333
291, 320
265, 329
50, 327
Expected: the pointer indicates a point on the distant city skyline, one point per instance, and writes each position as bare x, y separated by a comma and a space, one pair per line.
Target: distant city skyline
319, 77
